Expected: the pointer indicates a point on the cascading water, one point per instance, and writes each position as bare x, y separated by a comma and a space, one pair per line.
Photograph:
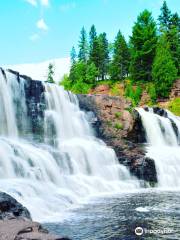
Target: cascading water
58, 164
163, 137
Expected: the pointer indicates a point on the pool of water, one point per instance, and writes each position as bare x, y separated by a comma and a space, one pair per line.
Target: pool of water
116, 217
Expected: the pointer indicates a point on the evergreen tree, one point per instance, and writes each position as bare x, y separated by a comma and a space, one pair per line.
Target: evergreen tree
83, 46
143, 46
50, 73
73, 55
91, 74
173, 37
165, 17
164, 71
175, 21
95, 53
103, 55
120, 62
92, 37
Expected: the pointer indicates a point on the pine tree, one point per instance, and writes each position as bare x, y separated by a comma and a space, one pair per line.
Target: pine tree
92, 37
164, 71
120, 61
83, 46
50, 73
165, 17
175, 21
103, 55
173, 37
143, 45
73, 55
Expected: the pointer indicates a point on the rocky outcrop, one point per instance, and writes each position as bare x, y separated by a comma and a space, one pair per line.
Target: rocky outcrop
35, 103
16, 223
175, 91
120, 127
10, 208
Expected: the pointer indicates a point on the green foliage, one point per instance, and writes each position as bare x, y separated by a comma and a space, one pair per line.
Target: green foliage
170, 25
83, 46
120, 60
118, 114
114, 89
73, 55
118, 126
50, 73
165, 17
66, 82
91, 74
134, 93
152, 92
173, 37
82, 77
149, 60
92, 37
80, 87
164, 71
103, 55
143, 45
174, 106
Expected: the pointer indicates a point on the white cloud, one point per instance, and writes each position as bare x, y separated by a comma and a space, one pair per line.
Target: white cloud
42, 25
67, 6
44, 2
39, 70
32, 2
34, 37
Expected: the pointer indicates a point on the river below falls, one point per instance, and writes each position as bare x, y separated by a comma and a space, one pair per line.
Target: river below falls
116, 217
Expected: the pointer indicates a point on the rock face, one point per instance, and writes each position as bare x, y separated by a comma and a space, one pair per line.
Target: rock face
16, 223
35, 103
120, 127
175, 91
10, 208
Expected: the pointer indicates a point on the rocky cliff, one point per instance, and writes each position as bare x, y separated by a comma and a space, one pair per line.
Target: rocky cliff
120, 127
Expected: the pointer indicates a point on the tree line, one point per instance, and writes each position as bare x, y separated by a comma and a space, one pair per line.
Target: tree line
152, 55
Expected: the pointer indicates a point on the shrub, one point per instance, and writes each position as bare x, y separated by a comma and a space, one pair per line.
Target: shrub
174, 106
118, 114
118, 126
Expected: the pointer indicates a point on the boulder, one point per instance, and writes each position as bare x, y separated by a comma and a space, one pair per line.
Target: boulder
16, 222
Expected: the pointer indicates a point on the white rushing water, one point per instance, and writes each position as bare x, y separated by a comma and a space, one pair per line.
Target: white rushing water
66, 167
163, 146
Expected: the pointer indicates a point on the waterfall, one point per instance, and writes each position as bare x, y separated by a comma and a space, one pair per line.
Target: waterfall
50, 159
163, 138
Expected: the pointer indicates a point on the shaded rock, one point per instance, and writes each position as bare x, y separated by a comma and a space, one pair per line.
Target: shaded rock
16, 223
10, 208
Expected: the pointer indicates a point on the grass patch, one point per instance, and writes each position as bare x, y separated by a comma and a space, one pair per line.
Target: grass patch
118, 126
118, 114
174, 106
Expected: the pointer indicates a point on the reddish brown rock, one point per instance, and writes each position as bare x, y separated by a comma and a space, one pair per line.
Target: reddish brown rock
122, 130
175, 91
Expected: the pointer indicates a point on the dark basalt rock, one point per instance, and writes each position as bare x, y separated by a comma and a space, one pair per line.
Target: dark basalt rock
145, 169
10, 208
35, 103
161, 112
137, 134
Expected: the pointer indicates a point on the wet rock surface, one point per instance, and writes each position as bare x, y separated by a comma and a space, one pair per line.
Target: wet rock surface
120, 127
16, 222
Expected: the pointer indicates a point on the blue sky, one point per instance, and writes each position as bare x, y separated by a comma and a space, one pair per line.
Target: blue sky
38, 30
